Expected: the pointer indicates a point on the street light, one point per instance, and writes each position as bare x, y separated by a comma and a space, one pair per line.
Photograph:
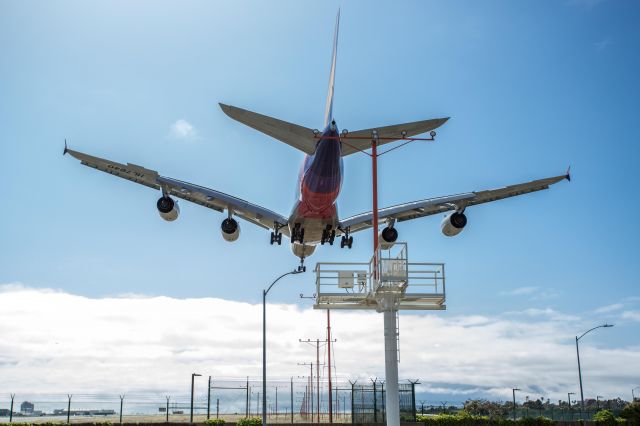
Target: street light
193, 376
605, 325
569, 399
514, 402
264, 342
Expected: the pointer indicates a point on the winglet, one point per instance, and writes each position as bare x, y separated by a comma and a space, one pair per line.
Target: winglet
568, 174
65, 147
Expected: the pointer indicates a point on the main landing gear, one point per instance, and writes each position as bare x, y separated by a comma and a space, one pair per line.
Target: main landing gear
297, 234
276, 235
346, 241
328, 235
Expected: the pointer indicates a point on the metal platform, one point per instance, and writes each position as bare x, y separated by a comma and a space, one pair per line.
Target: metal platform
371, 285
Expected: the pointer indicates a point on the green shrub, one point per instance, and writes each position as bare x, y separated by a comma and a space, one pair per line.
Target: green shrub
466, 419
605, 417
631, 413
217, 422
250, 421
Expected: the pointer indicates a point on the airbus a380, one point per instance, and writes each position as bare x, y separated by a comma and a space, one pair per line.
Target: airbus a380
314, 219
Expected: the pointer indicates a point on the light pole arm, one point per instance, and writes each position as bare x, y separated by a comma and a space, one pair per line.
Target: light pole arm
600, 326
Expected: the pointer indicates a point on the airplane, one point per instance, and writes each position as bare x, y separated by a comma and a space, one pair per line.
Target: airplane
314, 219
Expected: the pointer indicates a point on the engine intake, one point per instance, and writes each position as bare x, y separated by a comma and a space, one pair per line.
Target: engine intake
168, 208
230, 229
387, 238
453, 224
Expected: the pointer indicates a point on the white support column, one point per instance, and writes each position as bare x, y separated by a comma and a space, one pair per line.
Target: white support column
391, 368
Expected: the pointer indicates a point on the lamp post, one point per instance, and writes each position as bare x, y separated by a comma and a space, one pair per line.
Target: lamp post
605, 325
264, 342
514, 402
193, 376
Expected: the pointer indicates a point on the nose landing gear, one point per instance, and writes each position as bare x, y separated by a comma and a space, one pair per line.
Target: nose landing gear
302, 268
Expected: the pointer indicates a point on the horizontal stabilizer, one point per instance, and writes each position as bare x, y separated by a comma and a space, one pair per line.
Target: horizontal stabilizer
298, 137
352, 142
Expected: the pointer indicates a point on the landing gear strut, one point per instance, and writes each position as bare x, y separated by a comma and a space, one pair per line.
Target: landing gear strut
302, 268
346, 240
328, 235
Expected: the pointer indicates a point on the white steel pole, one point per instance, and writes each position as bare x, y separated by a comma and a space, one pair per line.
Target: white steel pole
391, 368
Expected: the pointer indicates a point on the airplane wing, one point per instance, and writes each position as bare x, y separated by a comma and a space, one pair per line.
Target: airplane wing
352, 143
206, 197
431, 206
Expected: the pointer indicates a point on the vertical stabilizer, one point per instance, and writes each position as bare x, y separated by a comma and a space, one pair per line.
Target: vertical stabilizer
328, 112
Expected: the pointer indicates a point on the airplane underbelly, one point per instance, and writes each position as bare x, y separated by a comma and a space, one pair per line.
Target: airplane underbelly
313, 221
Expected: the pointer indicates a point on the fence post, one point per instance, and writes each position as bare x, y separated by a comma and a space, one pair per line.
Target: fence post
291, 399
13, 395
121, 404
168, 408
209, 399
68, 408
352, 399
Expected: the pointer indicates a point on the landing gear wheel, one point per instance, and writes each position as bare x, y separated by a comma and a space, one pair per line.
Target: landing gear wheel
276, 238
332, 237
297, 234
349, 242
302, 268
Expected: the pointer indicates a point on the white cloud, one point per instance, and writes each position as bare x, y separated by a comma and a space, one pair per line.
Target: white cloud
72, 343
520, 291
183, 130
632, 315
609, 308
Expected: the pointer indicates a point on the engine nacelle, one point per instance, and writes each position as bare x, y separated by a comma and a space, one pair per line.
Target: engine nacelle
168, 208
387, 238
230, 229
453, 224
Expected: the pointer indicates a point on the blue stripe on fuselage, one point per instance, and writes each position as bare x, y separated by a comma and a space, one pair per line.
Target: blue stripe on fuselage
322, 172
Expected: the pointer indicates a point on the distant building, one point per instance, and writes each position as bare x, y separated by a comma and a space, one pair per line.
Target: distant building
26, 407
4, 412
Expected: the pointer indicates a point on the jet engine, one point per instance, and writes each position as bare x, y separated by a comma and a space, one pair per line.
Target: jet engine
453, 224
168, 208
387, 238
230, 229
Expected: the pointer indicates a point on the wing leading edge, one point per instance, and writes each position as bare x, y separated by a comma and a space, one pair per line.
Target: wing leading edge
431, 206
206, 197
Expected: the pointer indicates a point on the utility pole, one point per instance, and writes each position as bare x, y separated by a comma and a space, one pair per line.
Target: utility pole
514, 402
311, 389
318, 343
121, 404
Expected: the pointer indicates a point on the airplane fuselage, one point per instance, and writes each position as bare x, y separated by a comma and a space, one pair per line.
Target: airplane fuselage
319, 185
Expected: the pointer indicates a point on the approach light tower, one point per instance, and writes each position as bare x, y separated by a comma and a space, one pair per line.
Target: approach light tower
388, 283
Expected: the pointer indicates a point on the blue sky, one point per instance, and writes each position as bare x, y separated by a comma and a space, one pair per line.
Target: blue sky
530, 87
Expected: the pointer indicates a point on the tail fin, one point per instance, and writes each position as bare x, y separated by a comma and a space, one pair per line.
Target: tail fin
328, 112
